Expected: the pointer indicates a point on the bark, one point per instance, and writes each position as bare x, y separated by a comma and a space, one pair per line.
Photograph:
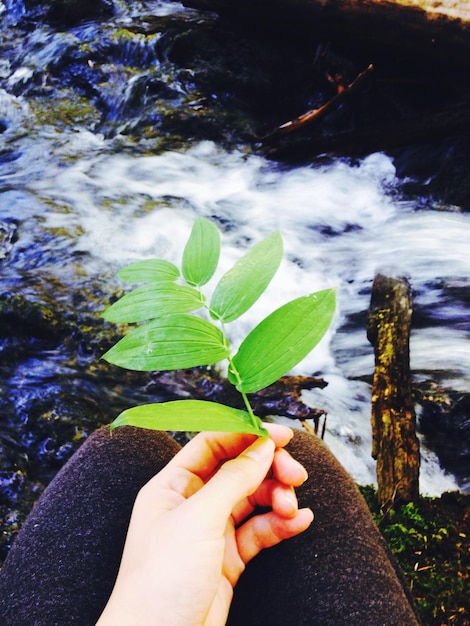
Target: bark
395, 445
436, 28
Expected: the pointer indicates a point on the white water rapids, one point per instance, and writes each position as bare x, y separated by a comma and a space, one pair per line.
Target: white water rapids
341, 223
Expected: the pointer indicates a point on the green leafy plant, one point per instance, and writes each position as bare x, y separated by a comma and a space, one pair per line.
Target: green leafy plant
179, 327
430, 541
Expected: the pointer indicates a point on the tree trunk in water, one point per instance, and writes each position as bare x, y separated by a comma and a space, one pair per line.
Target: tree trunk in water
395, 445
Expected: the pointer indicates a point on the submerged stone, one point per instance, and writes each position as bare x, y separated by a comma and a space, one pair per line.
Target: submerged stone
70, 12
20, 317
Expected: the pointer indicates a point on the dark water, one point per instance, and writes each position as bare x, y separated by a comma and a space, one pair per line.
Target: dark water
118, 128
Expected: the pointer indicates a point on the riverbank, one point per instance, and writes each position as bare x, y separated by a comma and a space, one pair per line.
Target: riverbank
431, 542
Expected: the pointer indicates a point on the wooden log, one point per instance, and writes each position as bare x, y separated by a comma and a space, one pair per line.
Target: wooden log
432, 28
395, 444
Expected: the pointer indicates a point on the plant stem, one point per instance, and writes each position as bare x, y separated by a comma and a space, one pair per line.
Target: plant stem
254, 419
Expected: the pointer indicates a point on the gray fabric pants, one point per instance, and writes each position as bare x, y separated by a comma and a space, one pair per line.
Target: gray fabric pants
62, 567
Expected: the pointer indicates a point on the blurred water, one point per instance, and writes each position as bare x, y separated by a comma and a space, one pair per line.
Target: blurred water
340, 224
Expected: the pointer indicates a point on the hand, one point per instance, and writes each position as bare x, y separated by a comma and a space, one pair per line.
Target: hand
193, 530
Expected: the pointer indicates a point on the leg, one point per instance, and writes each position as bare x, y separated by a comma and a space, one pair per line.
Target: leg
63, 565
338, 572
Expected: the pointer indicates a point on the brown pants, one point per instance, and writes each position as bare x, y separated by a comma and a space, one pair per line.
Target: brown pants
62, 567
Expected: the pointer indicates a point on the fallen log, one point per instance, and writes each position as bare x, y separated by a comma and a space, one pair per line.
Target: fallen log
433, 29
395, 444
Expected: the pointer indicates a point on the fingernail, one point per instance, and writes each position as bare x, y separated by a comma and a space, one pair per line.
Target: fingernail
305, 473
291, 499
261, 450
291, 433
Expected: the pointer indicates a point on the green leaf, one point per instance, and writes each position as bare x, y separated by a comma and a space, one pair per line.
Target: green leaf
190, 415
149, 271
282, 340
201, 253
242, 285
168, 343
153, 300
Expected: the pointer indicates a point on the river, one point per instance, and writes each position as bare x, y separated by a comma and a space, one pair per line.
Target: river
83, 192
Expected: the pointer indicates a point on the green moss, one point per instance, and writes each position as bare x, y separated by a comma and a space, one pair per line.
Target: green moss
65, 112
431, 543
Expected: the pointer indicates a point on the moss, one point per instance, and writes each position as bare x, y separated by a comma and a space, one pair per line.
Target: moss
430, 540
66, 112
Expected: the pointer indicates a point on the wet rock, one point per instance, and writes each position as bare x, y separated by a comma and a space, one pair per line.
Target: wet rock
40, 429
70, 12
54, 424
21, 318
445, 423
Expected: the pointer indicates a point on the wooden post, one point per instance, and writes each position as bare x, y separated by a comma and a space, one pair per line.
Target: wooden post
395, 445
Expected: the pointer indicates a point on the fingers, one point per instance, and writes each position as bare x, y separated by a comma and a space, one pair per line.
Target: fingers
241, 485
269, 529
277, 492
204, 455
205, 452
235, 480
281, 435
270, 494
287, 470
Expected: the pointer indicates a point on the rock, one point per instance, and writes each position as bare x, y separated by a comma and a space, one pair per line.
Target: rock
445, 423
19, 317
71, 12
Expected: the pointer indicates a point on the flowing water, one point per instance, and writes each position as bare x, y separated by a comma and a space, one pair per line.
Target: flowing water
81, 195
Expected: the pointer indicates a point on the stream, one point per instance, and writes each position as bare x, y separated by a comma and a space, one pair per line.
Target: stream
114, 136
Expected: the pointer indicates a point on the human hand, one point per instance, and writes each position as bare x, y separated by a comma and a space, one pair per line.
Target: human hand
194, 527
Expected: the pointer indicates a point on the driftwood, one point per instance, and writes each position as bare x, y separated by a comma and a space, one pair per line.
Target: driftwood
395, 445
281, 398
315, 115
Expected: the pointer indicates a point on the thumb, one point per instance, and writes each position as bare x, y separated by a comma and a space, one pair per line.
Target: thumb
237, 479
